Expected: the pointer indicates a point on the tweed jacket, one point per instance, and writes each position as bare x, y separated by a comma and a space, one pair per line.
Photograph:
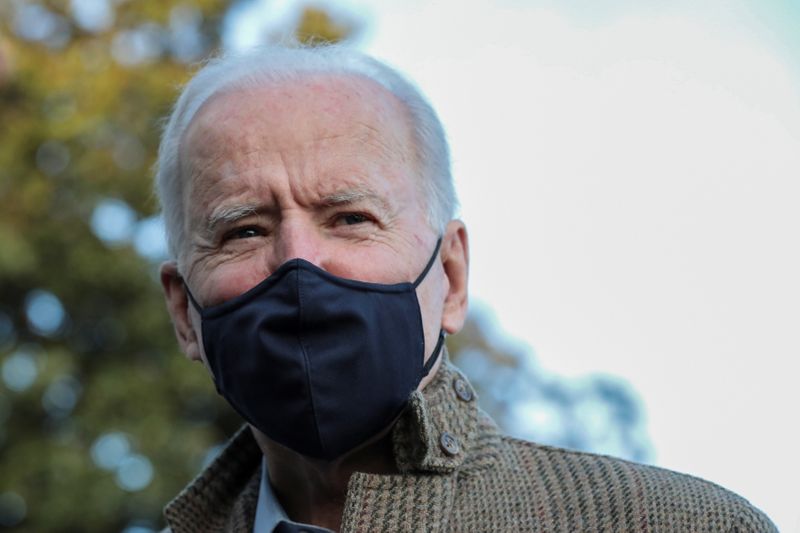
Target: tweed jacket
458, 473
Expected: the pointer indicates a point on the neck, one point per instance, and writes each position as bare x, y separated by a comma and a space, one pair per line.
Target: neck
313, 491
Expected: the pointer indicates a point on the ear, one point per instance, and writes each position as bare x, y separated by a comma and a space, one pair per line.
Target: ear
179, 310
455, 260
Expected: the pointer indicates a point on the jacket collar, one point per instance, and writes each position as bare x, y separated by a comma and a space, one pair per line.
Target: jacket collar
437, 430
226, 489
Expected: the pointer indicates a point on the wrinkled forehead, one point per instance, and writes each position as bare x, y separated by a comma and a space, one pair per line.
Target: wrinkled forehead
284, 109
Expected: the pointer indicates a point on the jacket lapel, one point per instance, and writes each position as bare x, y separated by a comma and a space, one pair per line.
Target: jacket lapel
224, 496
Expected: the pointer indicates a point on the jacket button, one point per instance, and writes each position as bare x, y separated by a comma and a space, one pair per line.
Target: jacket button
462, 390
449, 444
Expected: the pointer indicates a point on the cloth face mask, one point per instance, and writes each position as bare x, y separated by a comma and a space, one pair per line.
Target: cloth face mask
316, 362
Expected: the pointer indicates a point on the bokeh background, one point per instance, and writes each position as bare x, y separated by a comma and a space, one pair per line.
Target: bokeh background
629, 172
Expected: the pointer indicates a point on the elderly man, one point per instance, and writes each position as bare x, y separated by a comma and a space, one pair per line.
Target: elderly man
318, 268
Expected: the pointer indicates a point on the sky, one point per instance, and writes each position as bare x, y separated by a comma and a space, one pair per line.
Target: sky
629, 173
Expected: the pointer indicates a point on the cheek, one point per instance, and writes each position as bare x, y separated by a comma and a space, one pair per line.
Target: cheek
229, 281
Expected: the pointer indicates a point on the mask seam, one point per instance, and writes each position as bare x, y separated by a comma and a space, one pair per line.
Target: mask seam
307, 360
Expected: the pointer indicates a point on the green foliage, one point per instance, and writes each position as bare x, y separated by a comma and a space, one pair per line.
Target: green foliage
316, 26
77, 127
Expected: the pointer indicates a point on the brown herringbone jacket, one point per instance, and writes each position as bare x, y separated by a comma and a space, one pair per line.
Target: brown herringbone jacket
460, 474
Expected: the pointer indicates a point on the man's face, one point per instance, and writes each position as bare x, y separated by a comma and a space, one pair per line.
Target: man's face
322, 169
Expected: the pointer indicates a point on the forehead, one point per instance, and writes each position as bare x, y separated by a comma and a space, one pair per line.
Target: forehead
290, 114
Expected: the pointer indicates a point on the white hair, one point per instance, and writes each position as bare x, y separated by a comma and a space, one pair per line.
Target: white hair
275, 64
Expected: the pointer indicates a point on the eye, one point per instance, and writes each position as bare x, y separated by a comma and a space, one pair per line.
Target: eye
245, 232
350, 219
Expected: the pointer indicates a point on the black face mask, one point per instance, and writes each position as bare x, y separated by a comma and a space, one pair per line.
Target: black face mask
318, 363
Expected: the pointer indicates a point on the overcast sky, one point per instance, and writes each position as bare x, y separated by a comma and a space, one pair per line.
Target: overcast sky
630, 176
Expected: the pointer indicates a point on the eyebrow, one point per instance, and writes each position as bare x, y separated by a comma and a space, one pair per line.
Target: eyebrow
228, 214
354, 196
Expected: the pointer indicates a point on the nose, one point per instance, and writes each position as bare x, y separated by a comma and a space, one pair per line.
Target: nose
296, 239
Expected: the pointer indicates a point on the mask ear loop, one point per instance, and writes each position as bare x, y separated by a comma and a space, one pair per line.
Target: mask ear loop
191, 297
438, 349
431, 261
434, 356
200, 310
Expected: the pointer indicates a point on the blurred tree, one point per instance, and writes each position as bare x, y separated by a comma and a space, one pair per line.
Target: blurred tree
101, 420
595, 413
318, 26
93, 394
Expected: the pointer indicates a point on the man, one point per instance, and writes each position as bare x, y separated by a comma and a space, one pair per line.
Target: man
309, 208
